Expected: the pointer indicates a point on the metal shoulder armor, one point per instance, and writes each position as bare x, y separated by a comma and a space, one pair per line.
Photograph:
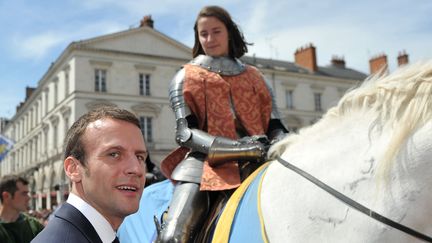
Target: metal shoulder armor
180, 108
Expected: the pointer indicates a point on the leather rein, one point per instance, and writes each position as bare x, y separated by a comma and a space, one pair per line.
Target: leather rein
359, 207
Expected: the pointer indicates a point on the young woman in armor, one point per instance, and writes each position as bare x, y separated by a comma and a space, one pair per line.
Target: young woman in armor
225, 119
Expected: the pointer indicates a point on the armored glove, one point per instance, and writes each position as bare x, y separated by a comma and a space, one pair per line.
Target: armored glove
245, 149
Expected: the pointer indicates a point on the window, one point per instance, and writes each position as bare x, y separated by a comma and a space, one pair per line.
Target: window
289, 99
31, 150
46, 101
55, 93
36, 148
100, 80
66, 125
37, 112
144, 84
46, 140
66, 83
55, 135
317, 99
146, 128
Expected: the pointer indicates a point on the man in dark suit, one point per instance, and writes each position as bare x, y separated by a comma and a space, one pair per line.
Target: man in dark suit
105, 158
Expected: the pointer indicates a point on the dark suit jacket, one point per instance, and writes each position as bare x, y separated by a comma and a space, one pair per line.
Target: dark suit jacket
68, 225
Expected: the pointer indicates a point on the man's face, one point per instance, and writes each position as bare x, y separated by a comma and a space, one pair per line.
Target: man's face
20, 199
114, 176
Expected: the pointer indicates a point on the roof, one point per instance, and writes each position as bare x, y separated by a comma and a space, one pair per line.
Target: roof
328, 71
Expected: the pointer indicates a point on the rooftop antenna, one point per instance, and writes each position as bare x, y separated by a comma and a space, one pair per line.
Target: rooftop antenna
270, 45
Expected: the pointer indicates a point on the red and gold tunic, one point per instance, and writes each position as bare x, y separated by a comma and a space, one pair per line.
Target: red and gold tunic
209, 97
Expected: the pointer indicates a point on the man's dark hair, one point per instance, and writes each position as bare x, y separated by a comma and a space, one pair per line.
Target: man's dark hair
73, 142
9, 184
236, 43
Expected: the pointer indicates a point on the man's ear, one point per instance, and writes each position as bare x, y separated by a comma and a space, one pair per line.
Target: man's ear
72, 169
6, 195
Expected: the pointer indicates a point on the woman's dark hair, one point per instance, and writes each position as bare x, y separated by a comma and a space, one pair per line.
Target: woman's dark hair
236, 42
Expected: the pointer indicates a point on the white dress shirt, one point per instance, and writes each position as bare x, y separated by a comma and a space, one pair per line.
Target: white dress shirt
102, 226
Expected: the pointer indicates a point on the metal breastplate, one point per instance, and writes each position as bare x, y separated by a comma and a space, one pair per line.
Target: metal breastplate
221, 65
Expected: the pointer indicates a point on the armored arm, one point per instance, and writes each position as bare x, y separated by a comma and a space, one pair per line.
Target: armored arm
218, 149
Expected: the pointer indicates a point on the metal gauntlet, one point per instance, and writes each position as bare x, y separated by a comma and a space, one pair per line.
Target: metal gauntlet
223, 149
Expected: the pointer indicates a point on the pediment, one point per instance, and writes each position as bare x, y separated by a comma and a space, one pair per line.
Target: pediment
142, 40
97, 103
147, 108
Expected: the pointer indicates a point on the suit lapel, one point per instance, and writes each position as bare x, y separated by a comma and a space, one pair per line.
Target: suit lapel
76, 218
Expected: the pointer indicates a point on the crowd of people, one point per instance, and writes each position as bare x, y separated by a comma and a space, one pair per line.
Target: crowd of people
41, 215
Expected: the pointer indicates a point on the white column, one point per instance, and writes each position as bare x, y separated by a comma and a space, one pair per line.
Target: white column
39, 201
59, 195
48, 199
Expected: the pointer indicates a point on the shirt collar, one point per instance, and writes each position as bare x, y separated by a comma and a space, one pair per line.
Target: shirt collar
102, 226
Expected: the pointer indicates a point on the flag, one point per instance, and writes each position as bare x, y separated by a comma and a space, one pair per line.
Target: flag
5, 146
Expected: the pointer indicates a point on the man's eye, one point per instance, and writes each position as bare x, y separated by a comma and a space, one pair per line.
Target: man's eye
114, 154
141, 158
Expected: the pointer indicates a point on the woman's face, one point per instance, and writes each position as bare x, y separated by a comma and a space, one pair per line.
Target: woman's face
213, 36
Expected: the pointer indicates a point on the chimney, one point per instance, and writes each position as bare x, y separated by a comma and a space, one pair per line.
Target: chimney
402, 58
338, 61
378, 63
19, 106
147, 21
29, 92
306, 57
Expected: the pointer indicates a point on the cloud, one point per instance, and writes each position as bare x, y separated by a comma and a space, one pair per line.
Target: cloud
37, 46
354, 30
138, 7
94, 29
41, 45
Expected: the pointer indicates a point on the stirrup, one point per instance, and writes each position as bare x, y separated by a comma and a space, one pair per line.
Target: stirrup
158, 225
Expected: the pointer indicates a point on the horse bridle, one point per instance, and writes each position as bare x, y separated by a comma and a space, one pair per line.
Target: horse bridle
359, 207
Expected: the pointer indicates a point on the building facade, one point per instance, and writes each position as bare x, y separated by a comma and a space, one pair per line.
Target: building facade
132, 69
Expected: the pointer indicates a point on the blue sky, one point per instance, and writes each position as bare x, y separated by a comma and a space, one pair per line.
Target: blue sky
34, 33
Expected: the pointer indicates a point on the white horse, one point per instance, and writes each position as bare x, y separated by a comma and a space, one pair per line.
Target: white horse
375, 147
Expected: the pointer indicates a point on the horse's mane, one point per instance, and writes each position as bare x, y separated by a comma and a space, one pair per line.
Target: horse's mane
401, 101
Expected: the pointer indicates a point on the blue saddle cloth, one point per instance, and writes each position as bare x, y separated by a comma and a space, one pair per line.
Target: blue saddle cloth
241, 219
247, 225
